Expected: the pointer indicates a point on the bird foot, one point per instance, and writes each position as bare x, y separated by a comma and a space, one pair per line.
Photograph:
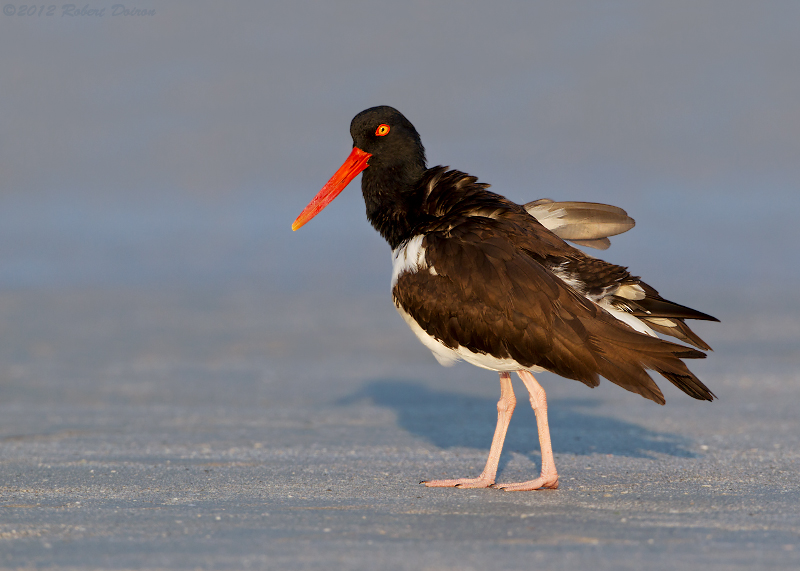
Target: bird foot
460, 483
548, 482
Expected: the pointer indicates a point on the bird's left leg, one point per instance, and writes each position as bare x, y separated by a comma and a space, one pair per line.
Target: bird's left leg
505, 408
549, 476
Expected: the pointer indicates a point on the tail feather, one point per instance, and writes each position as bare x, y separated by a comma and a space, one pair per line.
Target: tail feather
689, 384
627, 354
632, 377
678, 329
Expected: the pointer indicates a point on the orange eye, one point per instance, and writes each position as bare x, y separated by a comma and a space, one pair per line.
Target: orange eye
382, 130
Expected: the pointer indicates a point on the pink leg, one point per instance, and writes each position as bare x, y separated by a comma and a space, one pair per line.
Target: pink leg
505, 408
549, 476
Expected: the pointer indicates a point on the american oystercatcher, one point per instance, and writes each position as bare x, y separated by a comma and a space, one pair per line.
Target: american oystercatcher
481, 279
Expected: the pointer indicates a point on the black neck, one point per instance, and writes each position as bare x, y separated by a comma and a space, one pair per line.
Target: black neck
392, 197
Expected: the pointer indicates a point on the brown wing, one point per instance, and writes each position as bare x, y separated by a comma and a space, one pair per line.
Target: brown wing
488, 294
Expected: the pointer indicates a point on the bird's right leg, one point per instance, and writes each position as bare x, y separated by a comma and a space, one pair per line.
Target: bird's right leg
505, 408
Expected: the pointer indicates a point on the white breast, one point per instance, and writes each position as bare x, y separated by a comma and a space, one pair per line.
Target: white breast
409, 257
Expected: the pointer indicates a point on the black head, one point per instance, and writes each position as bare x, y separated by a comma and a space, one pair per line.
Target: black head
387, 149
390, 138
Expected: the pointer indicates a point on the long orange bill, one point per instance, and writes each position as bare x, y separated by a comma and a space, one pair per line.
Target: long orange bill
355, 163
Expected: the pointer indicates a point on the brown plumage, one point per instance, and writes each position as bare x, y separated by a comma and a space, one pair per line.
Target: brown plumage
480, 278
495, 292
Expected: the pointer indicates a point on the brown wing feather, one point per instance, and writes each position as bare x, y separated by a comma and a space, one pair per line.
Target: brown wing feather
501, 301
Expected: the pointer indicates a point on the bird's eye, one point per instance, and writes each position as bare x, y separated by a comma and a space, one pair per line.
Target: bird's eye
382, 130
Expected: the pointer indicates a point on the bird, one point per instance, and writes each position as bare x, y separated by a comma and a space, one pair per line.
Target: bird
481, 279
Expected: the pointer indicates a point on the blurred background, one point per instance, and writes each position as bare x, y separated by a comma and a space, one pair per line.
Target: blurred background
151, 165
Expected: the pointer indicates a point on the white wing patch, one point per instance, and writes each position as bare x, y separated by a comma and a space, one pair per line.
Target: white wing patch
576, 284
630, 320
628, 291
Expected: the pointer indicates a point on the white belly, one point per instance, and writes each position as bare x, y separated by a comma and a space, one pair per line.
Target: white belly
449, 357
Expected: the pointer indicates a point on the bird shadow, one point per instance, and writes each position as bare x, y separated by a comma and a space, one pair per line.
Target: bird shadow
451, 420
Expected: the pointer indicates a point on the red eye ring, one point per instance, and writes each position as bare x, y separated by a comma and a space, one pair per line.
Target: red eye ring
382, 130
